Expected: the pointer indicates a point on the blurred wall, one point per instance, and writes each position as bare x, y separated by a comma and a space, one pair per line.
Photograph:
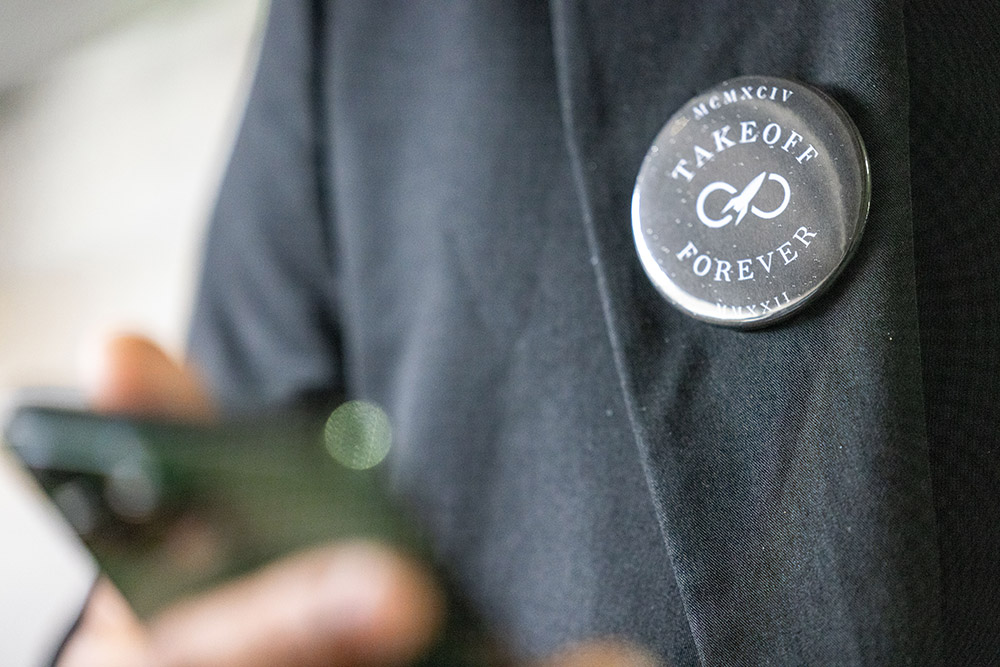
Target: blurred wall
113, 135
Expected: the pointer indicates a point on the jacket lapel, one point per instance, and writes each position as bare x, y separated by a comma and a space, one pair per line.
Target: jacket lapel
788, 467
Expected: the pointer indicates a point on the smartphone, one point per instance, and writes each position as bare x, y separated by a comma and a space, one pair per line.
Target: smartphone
169, 509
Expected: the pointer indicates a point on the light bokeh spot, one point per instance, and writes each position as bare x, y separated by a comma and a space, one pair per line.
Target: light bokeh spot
358, 435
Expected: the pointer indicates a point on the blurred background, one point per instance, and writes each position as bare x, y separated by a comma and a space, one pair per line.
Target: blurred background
116, 119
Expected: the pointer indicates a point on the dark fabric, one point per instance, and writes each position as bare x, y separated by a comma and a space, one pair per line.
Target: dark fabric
428, 207
265, 331
955, 140
462, 281
759, 446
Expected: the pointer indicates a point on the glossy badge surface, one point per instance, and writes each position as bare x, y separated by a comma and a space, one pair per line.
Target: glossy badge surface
750, 201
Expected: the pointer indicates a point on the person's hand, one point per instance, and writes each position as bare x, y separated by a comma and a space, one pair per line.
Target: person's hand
348, 604
132, 375
351, 604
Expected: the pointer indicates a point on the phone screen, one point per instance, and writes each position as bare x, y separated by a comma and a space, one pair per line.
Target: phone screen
169, 509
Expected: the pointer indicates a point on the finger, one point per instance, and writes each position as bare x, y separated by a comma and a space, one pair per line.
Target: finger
109, 634
604, 653
133, 375
356, 604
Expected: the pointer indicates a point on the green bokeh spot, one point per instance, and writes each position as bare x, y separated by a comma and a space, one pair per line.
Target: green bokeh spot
358, 435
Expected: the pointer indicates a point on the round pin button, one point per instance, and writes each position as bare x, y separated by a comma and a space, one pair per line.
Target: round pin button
750, 201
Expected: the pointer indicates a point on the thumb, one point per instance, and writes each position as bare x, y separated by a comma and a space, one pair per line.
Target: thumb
132, 375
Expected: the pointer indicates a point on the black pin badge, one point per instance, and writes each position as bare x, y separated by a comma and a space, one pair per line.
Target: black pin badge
750, 201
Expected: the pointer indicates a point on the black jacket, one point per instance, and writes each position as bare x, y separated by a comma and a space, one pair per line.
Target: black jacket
428, 207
